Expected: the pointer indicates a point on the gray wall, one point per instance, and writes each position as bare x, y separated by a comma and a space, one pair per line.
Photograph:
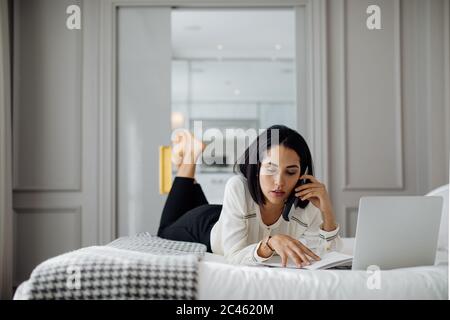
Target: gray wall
388, 101
55, 123
388, 107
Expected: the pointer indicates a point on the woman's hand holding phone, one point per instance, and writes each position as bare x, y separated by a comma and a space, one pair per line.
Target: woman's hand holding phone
289, 248
316, 192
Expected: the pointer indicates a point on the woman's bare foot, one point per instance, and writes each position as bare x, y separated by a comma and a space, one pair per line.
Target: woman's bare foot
185, 152
177, 150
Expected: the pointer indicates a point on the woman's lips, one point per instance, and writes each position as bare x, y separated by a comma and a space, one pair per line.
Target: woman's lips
278, 194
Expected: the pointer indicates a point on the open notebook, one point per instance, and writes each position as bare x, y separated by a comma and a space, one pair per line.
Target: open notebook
328, 260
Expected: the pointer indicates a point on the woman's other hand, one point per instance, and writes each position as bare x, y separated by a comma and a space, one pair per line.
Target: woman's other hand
289, 248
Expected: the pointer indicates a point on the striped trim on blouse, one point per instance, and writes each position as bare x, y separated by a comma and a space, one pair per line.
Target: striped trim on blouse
299, 221
329, 238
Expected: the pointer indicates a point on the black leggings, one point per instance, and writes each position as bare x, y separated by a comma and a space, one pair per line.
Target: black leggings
187, 216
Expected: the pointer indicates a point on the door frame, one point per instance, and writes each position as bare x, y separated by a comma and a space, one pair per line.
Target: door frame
311, 87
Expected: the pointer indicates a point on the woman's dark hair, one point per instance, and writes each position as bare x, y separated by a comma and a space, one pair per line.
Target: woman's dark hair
250, 162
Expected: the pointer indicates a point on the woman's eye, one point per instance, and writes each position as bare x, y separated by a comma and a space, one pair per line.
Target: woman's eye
292, 173
269, 170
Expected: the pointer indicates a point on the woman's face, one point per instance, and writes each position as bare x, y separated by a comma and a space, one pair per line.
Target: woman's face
279, 173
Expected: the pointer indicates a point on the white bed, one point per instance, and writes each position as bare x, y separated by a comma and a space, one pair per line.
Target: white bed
221, 281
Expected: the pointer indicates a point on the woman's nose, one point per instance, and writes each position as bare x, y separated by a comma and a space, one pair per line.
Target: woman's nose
279, 182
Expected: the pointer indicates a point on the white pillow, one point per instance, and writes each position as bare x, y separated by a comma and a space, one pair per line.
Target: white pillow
443, 231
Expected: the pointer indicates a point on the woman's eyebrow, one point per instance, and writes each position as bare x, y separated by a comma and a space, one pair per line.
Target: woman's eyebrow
291, 166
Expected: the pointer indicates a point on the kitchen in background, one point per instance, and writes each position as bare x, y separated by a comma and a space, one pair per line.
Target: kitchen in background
231, 70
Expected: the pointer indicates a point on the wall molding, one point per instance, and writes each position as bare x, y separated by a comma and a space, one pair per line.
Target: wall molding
432, 45
316, 84
18, 187
107, 123
55, 210
400, 182
58, 210
6, 213
114, 4
447, 79
52, 210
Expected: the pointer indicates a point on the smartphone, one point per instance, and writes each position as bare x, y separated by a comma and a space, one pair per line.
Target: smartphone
292, 199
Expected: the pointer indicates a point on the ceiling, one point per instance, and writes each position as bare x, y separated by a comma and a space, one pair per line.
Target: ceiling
233, 34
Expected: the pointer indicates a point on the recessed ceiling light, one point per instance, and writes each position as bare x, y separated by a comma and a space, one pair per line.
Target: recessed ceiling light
219, 47
193, 28
177, 120
278, 47
237, 92
197, 70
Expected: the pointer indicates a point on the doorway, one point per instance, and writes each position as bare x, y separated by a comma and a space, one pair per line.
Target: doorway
227, 68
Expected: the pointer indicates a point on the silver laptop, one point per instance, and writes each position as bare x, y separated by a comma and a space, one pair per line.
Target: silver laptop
397, 232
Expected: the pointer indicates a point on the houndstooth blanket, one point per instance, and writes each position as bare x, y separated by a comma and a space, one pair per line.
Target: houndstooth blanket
137, 267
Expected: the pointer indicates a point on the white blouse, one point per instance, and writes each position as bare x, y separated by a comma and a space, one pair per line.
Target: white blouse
240, 230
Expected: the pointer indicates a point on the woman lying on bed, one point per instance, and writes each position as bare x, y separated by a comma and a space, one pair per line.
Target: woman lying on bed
249, 226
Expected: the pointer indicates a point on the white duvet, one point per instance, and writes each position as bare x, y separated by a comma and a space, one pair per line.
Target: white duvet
221, 281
